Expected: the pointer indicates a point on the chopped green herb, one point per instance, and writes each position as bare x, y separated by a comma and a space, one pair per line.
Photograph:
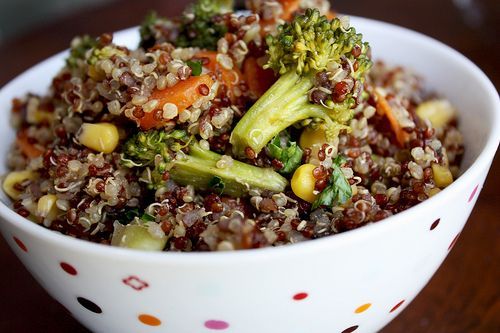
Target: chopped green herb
147, 217
286, 151
217, 184
128, 216
195, 67
78, 49
338, 190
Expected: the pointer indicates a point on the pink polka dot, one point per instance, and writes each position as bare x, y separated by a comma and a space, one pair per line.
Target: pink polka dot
453, 242
300, 296
473, 193
68, 268
20, 244
216, 324
395, 307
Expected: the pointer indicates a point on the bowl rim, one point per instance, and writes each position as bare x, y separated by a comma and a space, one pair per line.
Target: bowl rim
483, 159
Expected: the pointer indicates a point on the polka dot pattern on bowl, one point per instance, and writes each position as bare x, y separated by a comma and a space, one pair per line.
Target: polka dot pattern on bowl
300, 296
149, 320
395, 307
135, 283
435, 224
89, 305
453, 242
138, 284
473, 194
68, 268
363, 308
351, 329
20, 244
216, 324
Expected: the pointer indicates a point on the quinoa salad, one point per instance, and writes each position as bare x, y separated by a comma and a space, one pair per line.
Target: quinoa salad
224, 131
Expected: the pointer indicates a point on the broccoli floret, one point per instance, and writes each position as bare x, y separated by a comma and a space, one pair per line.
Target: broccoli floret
199, 26
187, 163
309, 46
79, 48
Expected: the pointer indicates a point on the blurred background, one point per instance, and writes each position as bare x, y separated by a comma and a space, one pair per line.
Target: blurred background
471, 26
19, 16
463, 296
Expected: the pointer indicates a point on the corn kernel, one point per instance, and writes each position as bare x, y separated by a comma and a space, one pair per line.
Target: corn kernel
439, 112
442, 175
96, 73
39, 116
47, 207
303, 182
102, 137
312, 136
13, 178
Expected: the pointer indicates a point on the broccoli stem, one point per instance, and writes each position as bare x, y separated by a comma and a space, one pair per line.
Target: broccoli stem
199, 168
284, 104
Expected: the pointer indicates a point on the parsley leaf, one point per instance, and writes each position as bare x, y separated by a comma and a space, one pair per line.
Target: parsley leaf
195, 67
338, 190
147, 217
286, 151
217, 184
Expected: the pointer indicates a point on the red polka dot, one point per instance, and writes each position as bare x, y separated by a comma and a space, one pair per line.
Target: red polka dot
350, 329
435, 224
300, 296
68, 268
473, 193
395, 307
216, 324
20, 244
453, 242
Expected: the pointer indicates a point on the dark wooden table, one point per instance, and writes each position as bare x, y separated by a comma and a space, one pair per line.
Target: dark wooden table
463, 296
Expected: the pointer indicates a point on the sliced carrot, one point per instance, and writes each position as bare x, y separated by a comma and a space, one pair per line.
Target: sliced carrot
257, 78
383, 108
183, 95
229, 77
27, 148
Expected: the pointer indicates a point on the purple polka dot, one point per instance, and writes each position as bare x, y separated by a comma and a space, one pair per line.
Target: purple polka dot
473, 193
216, 324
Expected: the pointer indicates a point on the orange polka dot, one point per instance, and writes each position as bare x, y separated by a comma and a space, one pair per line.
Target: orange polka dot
149, 320
363, 308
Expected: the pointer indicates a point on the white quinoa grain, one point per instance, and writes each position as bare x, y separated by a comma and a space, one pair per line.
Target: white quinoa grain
225, 161
224, 60
150, 106
170, 111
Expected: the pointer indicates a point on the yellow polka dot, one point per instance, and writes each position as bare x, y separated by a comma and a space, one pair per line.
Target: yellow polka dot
149, 320
363, 308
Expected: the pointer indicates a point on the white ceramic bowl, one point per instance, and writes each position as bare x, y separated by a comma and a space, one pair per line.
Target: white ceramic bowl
353, 282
